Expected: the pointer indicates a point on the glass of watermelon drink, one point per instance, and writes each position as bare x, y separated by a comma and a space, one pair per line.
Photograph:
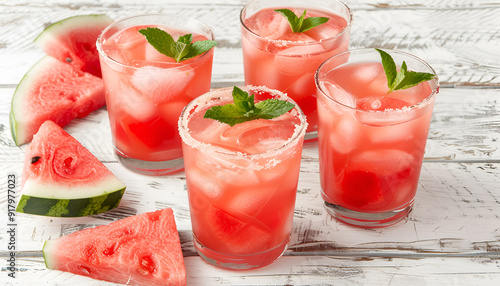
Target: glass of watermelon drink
277, 57
146, 90
241, 180
371, 141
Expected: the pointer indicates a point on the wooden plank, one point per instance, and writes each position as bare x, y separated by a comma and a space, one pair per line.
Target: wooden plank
465, 126
456, 213
458, 39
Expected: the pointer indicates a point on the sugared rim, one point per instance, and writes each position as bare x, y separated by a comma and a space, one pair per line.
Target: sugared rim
221, 95
419, 105
102, 53
300, 43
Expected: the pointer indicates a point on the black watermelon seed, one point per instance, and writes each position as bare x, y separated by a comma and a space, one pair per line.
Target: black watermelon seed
35, 159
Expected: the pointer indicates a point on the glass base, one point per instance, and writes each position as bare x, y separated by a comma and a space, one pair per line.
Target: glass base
368, 220
242, 262
151, 168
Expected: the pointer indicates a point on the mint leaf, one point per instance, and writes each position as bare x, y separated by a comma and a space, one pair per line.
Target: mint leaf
402, 79
179, 50
244, 109
312, 22
301, 24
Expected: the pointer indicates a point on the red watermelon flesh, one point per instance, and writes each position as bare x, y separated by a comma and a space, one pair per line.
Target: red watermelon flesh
73, 40
53, 90
234, 235
139, 250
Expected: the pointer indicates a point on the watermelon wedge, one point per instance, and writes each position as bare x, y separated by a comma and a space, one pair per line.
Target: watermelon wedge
62, 178
73, 40
52, 90
139, 250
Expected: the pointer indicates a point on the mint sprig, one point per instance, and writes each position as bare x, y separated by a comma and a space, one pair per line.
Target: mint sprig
301, 24
182, 49
245, 109
403, 78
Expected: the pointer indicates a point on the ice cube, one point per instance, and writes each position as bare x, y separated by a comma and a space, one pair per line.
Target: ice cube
258, 136
249, 200
268, 24
162, 84
152, 55
345, 134
130, 43
367, 73
299, 87
295, 60
209, 131
337, 93
393, 134
204, 181
259, 69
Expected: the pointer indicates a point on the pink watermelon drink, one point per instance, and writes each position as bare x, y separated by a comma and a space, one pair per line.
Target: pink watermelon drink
276, 56
241, 180
147, 90
371, 141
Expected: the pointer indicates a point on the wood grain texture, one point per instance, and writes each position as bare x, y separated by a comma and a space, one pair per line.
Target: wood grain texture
465, 127
309, 270
458, 38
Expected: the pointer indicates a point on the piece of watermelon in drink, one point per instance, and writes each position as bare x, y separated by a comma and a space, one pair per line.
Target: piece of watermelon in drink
380, 103
374, 176
236, 236
383, 111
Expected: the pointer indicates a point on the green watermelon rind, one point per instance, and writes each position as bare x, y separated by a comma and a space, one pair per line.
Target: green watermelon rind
69, 207
46, 250
61, 27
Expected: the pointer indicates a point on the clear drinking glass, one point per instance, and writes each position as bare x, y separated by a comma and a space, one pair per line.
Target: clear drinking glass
371, 142
146, 91
241, 180
276, 57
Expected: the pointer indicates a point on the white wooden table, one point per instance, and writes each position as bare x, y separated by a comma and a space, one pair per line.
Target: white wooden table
451, 238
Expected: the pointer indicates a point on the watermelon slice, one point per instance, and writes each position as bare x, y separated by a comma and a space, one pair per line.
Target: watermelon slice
62, 178
52, 90
139, 250
73, 40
